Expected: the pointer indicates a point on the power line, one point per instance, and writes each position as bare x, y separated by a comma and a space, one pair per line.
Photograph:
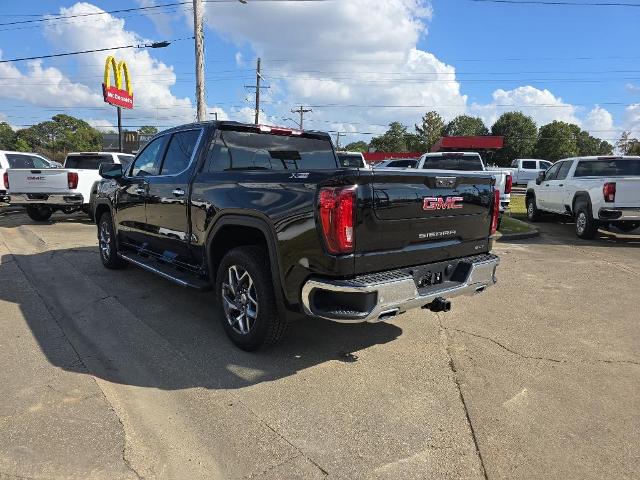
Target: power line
161, 44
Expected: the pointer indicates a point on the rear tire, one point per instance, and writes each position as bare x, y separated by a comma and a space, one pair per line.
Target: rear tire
39, 213
586, 225
533, 214
247, 305
107, 243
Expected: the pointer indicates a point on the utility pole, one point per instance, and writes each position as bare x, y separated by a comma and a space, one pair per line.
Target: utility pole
302, 111
120, 129
257, 87
198, 33
338, 135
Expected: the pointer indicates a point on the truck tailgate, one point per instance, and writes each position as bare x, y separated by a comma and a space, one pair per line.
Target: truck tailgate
50, 180
627, 192
422, 216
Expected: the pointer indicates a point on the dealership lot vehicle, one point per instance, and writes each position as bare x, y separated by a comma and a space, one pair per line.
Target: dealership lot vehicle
69, 189
352, 160
469, 162
398, 163
266, 217
10, 159
596, 191
523, 170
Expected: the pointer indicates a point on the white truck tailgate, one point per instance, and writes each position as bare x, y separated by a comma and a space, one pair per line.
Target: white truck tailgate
627, 192
49, 180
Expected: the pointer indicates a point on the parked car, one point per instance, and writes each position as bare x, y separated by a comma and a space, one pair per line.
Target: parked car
9, 159
523, 170
398, 163
469, 162
353, 160
269, 219
596, 191
67, 189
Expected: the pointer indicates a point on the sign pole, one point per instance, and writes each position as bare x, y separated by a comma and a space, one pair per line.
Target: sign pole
120, 129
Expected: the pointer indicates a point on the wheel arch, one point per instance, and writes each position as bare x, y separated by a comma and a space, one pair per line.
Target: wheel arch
580, 195
101, 208
233, 230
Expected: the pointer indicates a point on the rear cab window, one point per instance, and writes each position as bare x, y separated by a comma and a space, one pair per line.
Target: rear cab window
17, 160
248, 150
350, 160
453, 162
608, 168
87, 161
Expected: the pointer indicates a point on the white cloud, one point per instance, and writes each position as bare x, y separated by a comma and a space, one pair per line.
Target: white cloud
599, 122
160, 18
632, 88
101, 124
631, 119
542, 105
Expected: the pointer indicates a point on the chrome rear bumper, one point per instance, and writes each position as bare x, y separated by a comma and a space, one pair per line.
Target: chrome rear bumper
384, 295
47, 199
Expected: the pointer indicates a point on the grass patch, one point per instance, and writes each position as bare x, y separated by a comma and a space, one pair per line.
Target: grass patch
511, 225
517, 207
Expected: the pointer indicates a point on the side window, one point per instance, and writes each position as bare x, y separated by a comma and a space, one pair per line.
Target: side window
18, 160
515, 163
553, 172
529, 165
564, 170
179, 152
148, 162
545, 165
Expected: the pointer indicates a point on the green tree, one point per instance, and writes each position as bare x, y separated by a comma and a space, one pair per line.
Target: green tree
589, 145
393, 140
520, 134
557, 140
357, 147
148, 130
62, 134
7, 137
628, 145
465, 126
429, 131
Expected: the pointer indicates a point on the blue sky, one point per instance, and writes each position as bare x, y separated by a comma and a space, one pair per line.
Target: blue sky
455, 56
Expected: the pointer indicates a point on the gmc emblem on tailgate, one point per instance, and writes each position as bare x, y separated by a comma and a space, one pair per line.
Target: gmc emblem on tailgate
440, 203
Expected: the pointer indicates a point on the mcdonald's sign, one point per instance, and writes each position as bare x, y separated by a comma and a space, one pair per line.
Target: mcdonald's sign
115, 94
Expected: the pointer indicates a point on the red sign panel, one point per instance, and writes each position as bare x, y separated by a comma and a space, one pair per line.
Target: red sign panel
117, 97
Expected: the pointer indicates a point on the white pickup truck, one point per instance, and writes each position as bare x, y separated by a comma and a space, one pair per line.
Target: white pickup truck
596, 191
69, 189
10, 159
469, 162
523, 170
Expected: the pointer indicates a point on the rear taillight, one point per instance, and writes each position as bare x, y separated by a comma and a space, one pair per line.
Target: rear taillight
495, 212
72, 180
609, 192
5, 179
508, 184
336, 212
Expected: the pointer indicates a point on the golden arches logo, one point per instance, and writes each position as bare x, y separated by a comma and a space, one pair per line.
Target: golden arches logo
115, 94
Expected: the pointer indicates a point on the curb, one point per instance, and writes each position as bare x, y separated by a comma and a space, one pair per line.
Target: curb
534, 232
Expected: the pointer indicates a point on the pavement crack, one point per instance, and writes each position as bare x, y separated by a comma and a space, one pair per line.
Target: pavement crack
540, 358
454, 373
285, 439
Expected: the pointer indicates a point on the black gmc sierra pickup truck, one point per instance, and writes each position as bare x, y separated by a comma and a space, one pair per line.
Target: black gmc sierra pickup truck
267, 218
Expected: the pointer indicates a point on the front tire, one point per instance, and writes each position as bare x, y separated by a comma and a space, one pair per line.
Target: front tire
246, 298
107, 243
533, 214
39, 213
586, 225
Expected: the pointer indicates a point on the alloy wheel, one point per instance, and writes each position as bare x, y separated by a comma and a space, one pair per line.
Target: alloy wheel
240, 300
581, 222
105, 241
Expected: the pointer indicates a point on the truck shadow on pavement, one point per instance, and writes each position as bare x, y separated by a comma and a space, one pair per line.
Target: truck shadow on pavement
559, 230
131, 327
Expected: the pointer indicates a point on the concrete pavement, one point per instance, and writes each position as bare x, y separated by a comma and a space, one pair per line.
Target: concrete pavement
122, 375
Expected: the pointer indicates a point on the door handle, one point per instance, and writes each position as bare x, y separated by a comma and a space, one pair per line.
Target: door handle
178, 192
546, 184
561, 185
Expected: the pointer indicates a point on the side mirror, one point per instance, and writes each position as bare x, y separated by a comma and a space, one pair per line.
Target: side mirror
110, 171
540, 178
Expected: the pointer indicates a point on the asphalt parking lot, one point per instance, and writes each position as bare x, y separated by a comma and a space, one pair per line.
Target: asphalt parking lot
120, 374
